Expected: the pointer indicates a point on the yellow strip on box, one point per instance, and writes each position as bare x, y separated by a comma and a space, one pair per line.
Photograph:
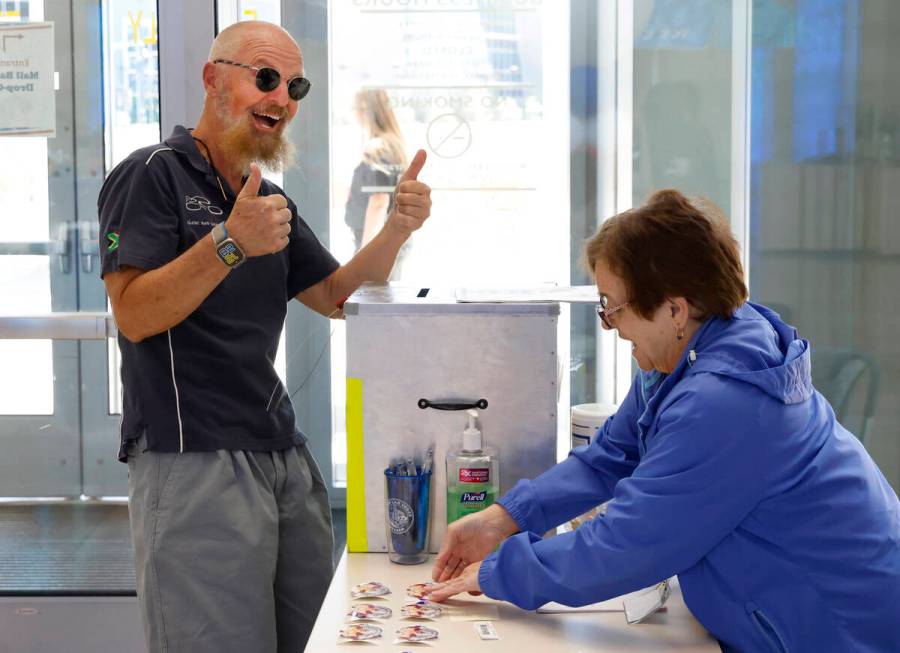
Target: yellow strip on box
357, 542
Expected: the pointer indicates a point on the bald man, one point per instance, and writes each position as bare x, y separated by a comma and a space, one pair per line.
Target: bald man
229, 513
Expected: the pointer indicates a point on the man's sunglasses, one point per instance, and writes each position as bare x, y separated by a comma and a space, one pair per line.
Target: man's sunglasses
268, 79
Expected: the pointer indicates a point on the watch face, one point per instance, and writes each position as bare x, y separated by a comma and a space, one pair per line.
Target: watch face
230, 254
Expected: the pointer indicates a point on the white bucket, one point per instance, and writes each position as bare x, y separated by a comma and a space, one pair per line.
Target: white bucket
586, 419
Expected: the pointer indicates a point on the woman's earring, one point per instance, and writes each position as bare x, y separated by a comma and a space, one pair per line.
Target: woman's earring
679, 334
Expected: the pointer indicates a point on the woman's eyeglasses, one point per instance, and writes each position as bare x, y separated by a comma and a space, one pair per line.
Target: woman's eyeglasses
605, 313
268, 79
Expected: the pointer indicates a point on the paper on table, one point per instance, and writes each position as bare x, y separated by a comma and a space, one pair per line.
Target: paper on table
637, 606
474, 612
643, 603
539, 294
610, 605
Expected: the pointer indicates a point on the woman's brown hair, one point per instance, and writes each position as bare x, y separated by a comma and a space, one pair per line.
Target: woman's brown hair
672, 246
386, 146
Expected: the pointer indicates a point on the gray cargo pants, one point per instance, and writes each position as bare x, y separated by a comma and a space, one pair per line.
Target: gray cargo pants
232, 549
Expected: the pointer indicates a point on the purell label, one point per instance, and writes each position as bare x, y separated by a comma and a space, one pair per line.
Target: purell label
472, 497
475, 475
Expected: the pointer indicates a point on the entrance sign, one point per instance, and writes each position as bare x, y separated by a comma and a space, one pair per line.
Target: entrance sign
27, 100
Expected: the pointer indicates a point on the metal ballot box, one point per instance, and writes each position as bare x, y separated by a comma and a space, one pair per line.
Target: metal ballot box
408, 344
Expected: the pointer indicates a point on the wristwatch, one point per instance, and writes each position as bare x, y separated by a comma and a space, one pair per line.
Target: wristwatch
227, 250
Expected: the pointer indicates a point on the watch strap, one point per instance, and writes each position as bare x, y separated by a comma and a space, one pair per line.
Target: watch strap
219, 233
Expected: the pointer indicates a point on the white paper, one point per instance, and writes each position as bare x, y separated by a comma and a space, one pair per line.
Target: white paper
610, 605
27, 98
474, 612
636, 605
642, 604
540, 294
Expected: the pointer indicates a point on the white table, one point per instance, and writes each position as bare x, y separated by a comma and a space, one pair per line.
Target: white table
520, 631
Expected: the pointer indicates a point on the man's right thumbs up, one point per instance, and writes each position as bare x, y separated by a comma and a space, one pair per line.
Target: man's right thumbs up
251, 186
259, 225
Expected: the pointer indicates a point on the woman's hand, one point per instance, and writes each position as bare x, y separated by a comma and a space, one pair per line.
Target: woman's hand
469, 540
467, 581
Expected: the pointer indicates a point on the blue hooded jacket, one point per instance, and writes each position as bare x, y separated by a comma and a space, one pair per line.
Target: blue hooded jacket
734, 475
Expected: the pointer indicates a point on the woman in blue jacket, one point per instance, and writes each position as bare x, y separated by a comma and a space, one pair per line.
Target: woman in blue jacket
724, 465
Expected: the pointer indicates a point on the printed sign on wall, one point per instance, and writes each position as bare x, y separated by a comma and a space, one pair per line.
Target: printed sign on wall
27, 100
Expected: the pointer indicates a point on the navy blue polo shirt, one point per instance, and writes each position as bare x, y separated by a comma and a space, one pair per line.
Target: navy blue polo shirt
209, 382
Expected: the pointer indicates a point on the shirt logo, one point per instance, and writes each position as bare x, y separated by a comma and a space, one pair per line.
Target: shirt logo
200, 203
113, 237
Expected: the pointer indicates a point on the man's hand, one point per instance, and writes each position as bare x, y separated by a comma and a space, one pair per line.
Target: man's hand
467, 581
470, 539
374, 261
259, 225
412, 199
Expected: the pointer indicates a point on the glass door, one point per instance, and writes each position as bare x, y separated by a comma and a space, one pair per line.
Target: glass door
59, 395
39, 399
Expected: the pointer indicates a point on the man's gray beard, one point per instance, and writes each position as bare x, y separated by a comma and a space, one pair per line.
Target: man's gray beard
271, 151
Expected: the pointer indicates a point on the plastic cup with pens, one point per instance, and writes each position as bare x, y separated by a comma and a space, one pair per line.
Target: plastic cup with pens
407, 493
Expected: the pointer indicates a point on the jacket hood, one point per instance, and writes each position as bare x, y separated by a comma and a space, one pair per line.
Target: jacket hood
754, 347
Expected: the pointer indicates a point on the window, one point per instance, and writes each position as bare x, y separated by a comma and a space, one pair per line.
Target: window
483, 88
825, 241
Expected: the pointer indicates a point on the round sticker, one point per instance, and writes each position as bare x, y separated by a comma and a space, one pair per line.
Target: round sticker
422, 610
360, 632
419, 590
416, 633
370, 611
366, 590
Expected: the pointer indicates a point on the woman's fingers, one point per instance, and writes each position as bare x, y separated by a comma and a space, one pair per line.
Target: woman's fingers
466, 582
445, 591
439, 566
460, 568
445, 554
450, 570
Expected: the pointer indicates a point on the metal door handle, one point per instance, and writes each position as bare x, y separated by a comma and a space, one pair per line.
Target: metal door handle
62, 247
88, 245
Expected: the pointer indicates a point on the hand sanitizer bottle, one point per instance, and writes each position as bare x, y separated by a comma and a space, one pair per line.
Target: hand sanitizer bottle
473, 474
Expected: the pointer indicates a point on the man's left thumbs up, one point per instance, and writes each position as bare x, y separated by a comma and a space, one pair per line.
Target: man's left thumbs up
412, 198
415, 167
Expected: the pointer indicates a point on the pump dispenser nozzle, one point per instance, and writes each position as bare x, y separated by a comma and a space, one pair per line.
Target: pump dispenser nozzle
472, 436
